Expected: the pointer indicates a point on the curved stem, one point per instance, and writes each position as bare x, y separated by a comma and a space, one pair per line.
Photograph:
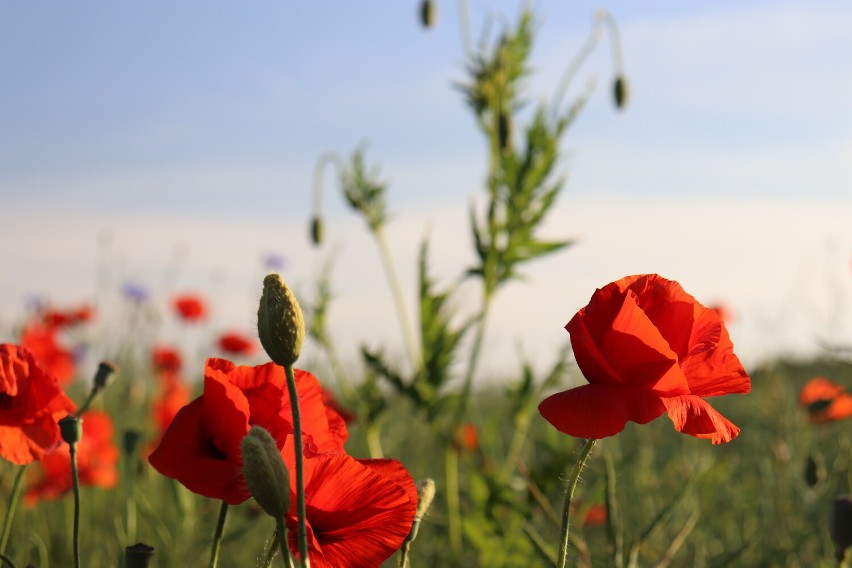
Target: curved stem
571, 70
75, 479
398, 298
464, 28
14, 497
302, 534
217, 535
451, 465
569, 496
6, 560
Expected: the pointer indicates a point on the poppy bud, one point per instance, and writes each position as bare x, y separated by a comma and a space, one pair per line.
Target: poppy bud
316, 230
621, 92
266, 475
280, 324
105, 375
425, 495
428, 14
840, 525
138, 555
130, 441
71, 429
504, 131
814, 470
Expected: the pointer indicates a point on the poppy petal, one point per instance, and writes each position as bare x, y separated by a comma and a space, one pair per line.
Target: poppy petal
358, 515
694, 416
640, 353
186, 455
712, 368
598, 411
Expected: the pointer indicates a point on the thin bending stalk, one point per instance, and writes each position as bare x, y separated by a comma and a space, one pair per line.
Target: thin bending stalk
569, 496
398, 299
75, 479
302, 533
217, 536
14, 497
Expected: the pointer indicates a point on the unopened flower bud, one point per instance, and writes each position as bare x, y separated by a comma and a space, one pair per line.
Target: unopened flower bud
71, 429
840, 525
280, 324
130, 441
425, 495
105, 375
621, 92
266, 475
316, 230
428, 14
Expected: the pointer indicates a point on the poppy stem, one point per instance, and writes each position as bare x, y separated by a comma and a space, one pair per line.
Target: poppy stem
75, 479
302, 533
569, 496
281, 537
217, 536
14, 497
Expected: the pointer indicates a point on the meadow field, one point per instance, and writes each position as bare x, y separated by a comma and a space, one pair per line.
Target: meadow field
645, 442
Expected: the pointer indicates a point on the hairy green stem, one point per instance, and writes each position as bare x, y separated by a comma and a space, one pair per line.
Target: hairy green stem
217, 535
75, 479
302, 534
11, 505
569, 496
398, 298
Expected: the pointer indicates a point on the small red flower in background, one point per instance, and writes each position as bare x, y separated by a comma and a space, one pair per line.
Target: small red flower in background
174, 396
358, 511
201, 448
466, 438
31, 404
726, 314
166, 359
595, 516
647, 347
67, 318
97, 456
190, 307
42, 342
233, 343
825, 401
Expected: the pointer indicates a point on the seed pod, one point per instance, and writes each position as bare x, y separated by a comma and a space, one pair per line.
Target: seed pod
266, 475
105, 375
280, 324
428, 14
71, 429
621, 92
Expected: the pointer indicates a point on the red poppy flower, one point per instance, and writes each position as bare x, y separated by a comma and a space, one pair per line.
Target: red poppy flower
41, 341
595, 516
466, 438
97, 456
67, 318
825, 401
358, 511
647, 347
175, 395
234, 343
190, 308
166, 359
201, 447
31, 404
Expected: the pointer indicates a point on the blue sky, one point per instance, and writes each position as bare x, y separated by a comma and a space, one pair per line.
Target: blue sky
186, 134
